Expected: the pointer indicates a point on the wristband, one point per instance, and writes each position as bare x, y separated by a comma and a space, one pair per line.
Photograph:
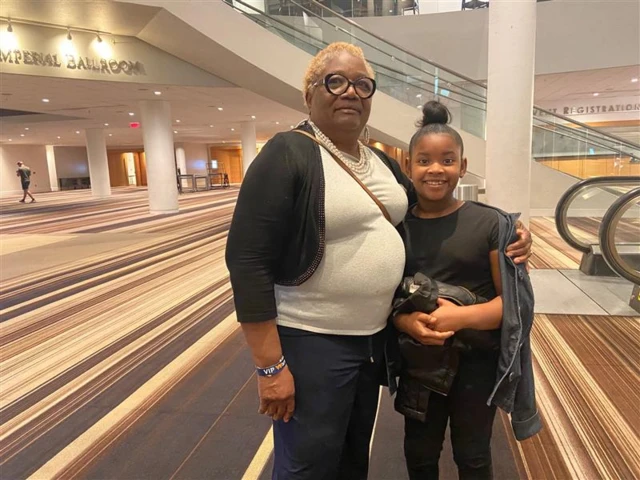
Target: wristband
273, 369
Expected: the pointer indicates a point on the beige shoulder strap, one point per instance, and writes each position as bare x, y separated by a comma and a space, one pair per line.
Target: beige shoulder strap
353, 175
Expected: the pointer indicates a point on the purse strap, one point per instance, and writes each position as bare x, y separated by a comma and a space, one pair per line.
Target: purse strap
353, 175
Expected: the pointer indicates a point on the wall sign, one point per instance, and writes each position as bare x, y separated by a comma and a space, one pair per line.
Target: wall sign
72, 62
595, 109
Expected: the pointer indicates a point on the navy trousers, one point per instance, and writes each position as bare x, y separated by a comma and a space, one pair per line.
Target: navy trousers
337, 381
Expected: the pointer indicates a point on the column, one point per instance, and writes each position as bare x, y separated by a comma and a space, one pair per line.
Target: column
249, 144
51, 168
181, 159
98, 163
512, 37
158, 147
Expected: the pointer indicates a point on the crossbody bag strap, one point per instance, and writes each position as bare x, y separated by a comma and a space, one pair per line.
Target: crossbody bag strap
353, 175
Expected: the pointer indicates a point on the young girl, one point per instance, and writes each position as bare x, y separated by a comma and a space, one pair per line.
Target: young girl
454, 242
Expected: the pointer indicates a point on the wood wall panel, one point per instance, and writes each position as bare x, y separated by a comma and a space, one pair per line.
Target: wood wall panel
593, 167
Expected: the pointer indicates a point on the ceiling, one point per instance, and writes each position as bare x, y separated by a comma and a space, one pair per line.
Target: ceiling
570, 86
75, 105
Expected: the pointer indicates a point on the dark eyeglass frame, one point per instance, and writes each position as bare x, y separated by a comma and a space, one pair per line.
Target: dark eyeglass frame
325, 82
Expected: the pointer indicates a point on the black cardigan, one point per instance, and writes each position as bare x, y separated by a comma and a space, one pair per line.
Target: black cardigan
277, 232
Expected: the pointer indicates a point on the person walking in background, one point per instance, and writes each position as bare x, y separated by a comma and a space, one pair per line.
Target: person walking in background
24, 173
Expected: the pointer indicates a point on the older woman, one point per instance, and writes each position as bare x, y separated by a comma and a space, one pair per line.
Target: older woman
315, 259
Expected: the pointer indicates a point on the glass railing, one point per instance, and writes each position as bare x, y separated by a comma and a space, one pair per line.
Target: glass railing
558, 142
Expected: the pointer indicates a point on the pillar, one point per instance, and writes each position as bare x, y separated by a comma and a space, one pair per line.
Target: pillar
181, 159
98, 163
51, 168
249, 144
512, 37
157, 135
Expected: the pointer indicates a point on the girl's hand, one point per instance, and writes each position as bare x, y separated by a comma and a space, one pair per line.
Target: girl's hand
449, 317
419, 326
520, 250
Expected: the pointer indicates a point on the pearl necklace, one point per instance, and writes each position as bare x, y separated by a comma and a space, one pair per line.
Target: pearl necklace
361, 167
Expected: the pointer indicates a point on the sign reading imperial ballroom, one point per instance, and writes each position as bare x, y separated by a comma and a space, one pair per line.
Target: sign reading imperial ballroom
72, 62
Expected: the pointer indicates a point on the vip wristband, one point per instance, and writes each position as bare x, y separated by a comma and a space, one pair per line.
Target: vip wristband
273, 369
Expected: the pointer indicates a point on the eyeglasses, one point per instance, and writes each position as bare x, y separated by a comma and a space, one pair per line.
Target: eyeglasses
337, 84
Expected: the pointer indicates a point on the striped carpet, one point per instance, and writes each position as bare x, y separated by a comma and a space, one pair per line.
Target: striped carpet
121, 357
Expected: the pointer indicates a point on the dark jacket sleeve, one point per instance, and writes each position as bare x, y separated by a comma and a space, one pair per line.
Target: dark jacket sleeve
259, 227
525, 419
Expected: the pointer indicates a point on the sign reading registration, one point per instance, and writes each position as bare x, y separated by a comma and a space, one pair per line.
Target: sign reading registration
72, 62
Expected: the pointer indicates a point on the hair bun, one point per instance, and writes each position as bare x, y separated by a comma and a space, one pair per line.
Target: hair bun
435, 112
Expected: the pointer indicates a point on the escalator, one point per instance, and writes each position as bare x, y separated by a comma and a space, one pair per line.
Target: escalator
610, 243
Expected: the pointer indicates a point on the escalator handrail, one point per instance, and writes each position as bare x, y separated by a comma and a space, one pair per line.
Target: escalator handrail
464, 77
567, 198
607, 236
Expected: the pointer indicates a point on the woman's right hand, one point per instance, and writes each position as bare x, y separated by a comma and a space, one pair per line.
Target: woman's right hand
417, 325
277, 395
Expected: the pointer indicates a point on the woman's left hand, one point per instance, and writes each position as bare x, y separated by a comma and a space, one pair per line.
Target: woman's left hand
448, 317
520, 250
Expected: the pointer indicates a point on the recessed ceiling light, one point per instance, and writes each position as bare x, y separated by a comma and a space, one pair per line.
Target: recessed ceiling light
131, 114
111, 134
157, 93
45, 100
277, 123
596, 94
26, 128
22, 134
210, 126
233, 129
177, 121
175, 131
253, 117
419, 95
106, 124
58, 137
222, 141
290, 126
634, 80
419, 106
220, 109
11, 140
77, 131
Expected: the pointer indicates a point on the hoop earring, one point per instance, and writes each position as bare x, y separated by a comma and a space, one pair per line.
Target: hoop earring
366, 135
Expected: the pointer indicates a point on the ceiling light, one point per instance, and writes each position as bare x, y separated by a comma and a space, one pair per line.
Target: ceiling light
290, 126
175, 131
157, 93
45, 100
111, 134
177, 121
131, 114
222, 141
58, 137
634, 80
106, 124
418, 106
210, 126
419, 95
253, 117
26, 128
11, 140
220, 109
233, 129
69, 37
9, 27
22, 134
596, 94
77, 131
277, 123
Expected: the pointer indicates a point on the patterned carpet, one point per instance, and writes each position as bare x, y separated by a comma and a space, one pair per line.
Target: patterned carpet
121, 357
